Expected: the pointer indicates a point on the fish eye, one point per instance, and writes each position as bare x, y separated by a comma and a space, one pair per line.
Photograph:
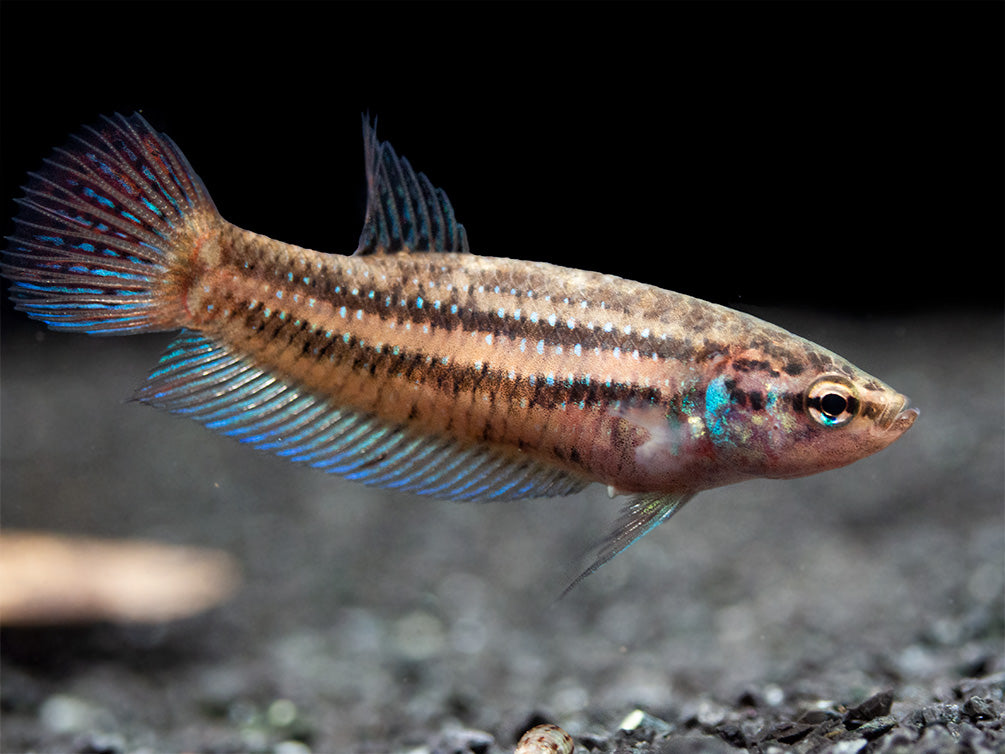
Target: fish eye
831, 401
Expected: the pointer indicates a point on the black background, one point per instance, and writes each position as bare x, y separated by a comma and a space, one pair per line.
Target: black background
843, 157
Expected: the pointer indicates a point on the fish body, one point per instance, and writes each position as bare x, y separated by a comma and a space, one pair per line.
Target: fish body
413, 363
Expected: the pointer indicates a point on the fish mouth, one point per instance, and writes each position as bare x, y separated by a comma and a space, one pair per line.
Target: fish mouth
898, 417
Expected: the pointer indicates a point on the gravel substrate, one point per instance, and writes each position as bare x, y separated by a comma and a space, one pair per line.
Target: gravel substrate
859, 610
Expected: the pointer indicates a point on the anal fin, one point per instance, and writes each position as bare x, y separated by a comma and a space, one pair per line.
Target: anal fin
638, 517
230, 393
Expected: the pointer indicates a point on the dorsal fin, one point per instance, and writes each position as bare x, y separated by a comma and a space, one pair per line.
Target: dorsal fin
404, 211
229, 393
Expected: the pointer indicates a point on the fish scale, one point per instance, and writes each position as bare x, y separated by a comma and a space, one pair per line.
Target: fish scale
416, 365
387, 345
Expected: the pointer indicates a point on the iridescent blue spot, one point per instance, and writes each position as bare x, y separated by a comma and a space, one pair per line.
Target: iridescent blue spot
717, 409
577, 349
540, 347
552, 319
418, 302
104, 201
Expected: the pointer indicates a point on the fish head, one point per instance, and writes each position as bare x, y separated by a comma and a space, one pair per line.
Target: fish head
840, 418
777, 424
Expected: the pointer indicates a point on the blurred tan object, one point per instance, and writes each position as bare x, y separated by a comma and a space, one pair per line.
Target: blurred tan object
49, 578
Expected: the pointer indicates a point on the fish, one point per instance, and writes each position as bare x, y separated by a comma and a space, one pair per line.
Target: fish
417, 365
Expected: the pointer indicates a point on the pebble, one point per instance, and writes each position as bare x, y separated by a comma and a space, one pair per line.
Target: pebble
291, 747
644, 727
877, 705
978, 708
463, 740
62, 713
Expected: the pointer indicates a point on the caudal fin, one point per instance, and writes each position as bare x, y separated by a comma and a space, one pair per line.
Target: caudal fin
102, 229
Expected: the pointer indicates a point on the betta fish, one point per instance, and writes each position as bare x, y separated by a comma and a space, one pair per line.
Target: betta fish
414, 364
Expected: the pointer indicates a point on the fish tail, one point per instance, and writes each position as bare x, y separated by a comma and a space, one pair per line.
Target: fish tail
105, 230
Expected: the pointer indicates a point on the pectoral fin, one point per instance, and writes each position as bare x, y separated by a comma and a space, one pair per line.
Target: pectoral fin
643, 514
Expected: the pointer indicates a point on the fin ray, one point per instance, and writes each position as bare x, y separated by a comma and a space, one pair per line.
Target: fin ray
228, 393
97, 227
638, 517
404, 211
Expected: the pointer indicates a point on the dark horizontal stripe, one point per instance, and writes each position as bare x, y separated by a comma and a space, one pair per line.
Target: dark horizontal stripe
343, 349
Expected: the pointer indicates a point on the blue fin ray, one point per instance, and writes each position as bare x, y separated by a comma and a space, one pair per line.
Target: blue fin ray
229, 393
97, 228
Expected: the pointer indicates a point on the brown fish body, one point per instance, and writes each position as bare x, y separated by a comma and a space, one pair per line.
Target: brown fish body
415, 364
529, 357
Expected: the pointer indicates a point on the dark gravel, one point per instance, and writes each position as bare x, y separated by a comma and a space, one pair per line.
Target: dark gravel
855, 611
